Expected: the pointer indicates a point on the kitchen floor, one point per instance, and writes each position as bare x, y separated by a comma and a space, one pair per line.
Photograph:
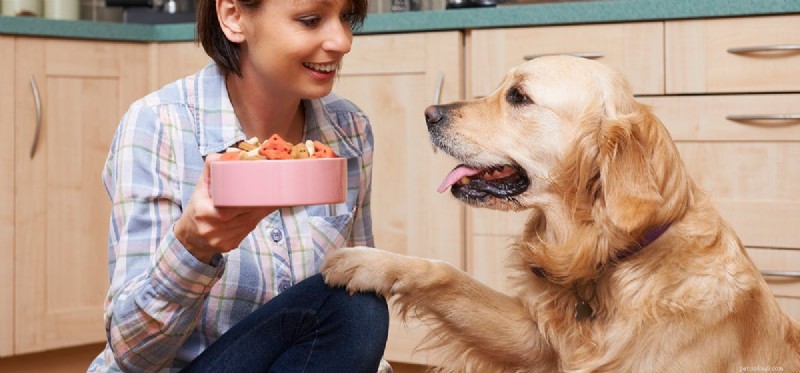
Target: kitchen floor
76, 360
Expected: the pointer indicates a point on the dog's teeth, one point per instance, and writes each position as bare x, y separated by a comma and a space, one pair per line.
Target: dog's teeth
464, 180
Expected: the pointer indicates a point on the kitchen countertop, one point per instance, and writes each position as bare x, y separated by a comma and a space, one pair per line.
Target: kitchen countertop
501, 16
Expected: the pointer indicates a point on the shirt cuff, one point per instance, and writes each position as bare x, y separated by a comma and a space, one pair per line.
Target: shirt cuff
180, 277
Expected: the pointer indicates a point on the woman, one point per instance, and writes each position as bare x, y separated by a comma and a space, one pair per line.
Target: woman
204, 289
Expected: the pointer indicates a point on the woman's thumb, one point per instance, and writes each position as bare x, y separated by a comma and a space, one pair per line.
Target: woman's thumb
205, 179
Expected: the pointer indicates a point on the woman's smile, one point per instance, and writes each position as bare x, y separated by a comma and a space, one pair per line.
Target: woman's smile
322, 71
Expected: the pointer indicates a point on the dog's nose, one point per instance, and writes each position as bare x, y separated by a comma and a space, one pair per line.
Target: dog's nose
433, 115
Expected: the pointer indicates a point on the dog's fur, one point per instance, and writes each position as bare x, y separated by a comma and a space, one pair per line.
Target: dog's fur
603, 173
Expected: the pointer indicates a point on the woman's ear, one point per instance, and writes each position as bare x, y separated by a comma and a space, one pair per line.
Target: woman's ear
629, 184
230, 20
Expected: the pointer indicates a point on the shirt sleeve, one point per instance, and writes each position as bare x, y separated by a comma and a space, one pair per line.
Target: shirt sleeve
157, 287
362, 223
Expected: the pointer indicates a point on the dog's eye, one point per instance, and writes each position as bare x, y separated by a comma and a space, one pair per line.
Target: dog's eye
516, 97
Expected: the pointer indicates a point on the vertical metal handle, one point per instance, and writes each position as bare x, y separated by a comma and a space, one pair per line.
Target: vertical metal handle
38, 103
437, 98
437, 93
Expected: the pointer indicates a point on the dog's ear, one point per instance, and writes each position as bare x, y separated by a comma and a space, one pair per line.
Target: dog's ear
628, 182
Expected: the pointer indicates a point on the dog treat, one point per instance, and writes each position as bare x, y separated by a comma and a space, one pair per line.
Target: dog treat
275, 147
300, 151
310, 147
322, 151
231, 154
249, 145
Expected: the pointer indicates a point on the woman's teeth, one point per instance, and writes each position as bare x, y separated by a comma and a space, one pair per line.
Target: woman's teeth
321, 67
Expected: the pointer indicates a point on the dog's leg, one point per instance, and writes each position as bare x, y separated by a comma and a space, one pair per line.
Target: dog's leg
473, 320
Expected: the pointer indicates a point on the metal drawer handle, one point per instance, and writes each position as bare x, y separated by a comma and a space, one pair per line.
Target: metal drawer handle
792, 274
38, 103
589, 55
789, 118
765, 48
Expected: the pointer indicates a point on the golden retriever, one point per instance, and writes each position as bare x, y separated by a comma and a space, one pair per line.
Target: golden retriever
624, 265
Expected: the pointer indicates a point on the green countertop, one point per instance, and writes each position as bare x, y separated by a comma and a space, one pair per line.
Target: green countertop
501, 16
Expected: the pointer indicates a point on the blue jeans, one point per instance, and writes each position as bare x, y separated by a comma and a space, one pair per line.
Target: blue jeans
309, 328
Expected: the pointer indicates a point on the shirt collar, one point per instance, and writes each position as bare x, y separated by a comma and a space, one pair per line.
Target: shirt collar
217, 127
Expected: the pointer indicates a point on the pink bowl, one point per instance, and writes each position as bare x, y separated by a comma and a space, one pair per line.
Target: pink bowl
293, 182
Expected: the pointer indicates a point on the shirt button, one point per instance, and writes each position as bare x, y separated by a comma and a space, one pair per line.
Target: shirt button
283, 286
276, 235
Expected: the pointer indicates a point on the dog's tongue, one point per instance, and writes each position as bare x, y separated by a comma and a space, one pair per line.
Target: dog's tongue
456, 175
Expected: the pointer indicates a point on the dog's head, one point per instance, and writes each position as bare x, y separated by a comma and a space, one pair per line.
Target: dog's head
560, 131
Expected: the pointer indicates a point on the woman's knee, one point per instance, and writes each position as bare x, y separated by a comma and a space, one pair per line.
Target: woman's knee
366, 312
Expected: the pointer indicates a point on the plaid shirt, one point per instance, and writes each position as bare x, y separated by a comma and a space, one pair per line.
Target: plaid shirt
164, 307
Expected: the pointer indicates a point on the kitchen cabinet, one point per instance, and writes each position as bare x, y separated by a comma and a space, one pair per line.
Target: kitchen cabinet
77, 91
634, 48
172, 61
6, 197
742, 146
393, 78
748, 166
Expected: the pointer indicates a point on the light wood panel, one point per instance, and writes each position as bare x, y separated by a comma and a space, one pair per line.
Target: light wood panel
67, 360
703, 118
749, 169
698, 60
6, 196
172, 61
409, 216
636, 49
62, 208
491, 233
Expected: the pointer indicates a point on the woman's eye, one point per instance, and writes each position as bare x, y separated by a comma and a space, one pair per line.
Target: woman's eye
309, 21
515, 96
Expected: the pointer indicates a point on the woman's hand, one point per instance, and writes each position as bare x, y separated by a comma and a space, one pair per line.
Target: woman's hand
205, 229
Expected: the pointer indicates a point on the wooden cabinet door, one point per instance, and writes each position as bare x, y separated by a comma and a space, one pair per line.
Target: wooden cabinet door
62, 209
6, 196
733, 55
393, 78
173, 61
636, 49
747, 166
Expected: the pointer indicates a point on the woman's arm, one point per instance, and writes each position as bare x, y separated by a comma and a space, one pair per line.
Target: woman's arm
157, 287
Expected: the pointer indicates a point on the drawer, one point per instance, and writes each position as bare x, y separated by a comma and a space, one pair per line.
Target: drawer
636, 49
701, 55
785, 286
762, 117
750, 169
781, 269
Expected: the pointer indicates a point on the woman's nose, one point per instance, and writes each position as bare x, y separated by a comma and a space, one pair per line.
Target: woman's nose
338, 38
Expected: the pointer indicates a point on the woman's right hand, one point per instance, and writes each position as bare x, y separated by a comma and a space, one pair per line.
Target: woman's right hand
205, 229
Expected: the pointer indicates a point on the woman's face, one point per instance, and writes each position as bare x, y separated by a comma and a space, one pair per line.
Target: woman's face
295, 47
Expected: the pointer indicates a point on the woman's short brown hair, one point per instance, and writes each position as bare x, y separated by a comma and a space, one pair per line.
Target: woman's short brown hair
226, 53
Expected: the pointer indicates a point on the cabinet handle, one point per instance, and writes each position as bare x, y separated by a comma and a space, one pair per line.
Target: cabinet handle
589, 55
437, 93
38, 103
765, 48
789, 118
437, 99
792, 274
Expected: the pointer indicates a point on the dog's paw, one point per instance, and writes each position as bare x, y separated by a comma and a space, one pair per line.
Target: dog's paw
362, 269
